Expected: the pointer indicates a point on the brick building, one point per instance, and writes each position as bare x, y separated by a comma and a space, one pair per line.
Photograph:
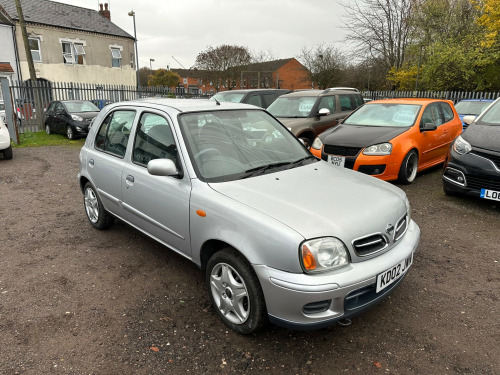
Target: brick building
284, 74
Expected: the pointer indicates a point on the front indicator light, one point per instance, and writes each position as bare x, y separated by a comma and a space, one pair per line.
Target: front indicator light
308, 259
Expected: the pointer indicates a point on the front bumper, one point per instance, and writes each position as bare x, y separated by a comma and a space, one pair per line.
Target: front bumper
302, 301
470, 173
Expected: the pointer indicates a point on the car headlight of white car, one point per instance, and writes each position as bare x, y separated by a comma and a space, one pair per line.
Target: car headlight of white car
461, 145
323, 254
380, 149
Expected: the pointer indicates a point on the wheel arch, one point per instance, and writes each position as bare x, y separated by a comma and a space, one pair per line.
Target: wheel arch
210, 247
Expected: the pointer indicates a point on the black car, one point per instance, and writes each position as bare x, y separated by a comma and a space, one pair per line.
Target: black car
472, 166
258, 97
70, 117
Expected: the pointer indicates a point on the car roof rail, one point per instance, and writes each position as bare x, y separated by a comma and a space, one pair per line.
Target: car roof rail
341, 88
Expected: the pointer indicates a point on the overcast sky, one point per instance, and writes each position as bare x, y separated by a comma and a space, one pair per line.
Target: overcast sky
184, 28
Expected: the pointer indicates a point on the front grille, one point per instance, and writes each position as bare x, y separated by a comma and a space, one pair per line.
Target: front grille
482, 183
493, 157
341, 150
400, 228
369, 244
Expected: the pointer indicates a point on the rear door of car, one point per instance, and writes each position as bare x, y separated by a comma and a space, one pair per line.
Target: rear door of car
157, 204
106, 157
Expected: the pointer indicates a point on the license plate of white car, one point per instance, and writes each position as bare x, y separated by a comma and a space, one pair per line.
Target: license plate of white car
338, 161
389, 276
490, 194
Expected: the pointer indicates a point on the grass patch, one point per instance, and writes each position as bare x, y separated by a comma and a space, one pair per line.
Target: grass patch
37, 139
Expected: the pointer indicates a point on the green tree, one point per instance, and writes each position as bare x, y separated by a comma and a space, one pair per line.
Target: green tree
223, 65
163, 77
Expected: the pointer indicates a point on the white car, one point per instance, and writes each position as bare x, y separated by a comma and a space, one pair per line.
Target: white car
5, 146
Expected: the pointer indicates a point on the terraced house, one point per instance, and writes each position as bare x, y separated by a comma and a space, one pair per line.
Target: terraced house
72, 44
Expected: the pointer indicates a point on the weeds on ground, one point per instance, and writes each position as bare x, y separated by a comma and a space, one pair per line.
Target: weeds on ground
37, 139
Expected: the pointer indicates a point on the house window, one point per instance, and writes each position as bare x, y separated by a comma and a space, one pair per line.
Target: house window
132, 61
73, 53
36, 53
116, 58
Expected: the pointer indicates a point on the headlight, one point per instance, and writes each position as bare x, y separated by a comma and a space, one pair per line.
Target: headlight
461, 145
317, 144
380, 149
78, 128
323, 254
77, 118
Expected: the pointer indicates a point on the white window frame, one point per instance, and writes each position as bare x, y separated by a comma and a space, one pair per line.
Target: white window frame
70, 58
39, 50
116, 54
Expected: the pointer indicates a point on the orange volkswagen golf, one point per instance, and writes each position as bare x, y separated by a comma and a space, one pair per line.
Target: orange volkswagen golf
392, 139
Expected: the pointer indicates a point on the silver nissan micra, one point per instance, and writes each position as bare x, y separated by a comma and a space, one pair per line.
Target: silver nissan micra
281, 235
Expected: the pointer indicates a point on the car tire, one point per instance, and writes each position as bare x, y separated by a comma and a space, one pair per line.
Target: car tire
98, 217
7, 153
235, 291
408, 169
47, 129
306, 142
70, 133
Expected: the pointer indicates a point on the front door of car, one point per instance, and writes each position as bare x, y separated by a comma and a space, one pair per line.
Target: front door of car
158, 205
106, 158
59, 118
322, 123
433, 142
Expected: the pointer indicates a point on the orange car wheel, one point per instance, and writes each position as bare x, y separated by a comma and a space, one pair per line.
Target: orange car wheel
408, 169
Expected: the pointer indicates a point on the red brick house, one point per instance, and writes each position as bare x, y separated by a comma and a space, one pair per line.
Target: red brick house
284, 74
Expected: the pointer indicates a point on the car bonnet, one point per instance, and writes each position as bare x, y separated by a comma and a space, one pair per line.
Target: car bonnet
361, 136
321, 200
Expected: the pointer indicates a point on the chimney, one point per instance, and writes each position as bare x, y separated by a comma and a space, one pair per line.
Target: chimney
105, 13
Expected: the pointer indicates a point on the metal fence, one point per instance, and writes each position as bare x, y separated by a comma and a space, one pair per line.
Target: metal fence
24, 97
455, 96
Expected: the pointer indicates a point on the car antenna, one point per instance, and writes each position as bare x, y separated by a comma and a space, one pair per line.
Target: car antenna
216, 101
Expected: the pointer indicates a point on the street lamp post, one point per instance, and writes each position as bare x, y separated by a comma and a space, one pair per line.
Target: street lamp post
132, 14
151, 65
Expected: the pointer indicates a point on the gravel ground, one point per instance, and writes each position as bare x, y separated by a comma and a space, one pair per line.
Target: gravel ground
74, 300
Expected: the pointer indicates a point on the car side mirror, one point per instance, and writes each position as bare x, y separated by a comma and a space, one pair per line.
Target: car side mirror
162, 167
429, 127
323, 112
469, 119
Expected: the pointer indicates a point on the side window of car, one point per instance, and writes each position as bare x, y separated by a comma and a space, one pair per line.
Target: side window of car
255, 100
269, 99
447, 111
357, 99
153, 140
327, 102
114, 133
59, 109
345, 103
432, 115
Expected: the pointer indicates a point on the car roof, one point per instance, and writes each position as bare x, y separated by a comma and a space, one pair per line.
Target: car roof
249, 90
418, 101
314, 92
185, 105
477, 100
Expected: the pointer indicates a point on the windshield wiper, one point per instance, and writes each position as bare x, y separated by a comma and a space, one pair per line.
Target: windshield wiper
302, 159
252, 171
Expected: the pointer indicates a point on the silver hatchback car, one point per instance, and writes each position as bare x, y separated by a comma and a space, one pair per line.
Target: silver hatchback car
281, 235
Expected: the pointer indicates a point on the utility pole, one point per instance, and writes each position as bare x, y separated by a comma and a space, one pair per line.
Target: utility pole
31, 66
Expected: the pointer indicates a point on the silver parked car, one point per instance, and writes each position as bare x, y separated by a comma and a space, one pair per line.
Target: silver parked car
281, 235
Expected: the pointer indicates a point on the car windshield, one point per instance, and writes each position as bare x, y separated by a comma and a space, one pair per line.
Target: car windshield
231, 145
293, 106
471, 108
492, 116
384, 114
74, 107
228, 96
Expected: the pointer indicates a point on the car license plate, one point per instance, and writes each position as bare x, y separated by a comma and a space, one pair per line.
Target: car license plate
338, 161
490, 194
386, 278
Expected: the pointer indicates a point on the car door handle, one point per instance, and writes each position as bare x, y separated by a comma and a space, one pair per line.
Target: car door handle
130, 178
91, 162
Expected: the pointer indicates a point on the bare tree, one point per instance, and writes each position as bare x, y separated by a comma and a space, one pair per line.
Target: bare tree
222, 65
324, 65
380, 29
